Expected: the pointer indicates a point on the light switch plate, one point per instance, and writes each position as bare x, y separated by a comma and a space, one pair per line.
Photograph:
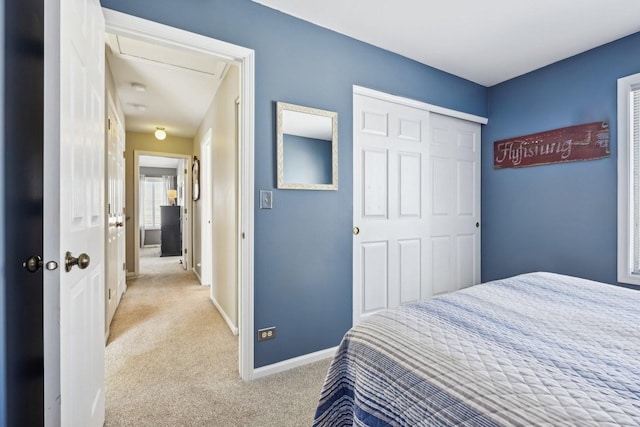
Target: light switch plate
266, 199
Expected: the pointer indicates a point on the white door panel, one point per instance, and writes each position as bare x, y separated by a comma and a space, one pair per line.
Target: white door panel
455, 190
410, 274
390, 153
416, 204
115, 234
375, 258
82, 207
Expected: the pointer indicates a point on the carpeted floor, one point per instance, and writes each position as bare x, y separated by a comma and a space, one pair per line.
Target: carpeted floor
172, 361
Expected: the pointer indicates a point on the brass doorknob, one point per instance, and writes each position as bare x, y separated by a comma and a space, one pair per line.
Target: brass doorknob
356, 230
82, 261
33, 263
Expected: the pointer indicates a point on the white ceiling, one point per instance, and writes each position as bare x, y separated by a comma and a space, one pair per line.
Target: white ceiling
487, 41
180, 84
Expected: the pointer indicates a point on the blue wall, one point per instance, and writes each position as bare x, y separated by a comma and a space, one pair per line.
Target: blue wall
303, 270
563, 217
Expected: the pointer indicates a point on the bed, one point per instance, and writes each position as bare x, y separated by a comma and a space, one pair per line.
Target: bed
534, 349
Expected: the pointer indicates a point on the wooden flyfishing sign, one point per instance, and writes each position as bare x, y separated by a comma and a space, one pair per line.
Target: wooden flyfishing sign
582, 142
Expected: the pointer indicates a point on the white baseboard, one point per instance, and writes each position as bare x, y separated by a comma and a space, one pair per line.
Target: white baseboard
285, 365
197, 275
234, 328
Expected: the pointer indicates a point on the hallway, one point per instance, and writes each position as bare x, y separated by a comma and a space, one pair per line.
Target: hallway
172, 361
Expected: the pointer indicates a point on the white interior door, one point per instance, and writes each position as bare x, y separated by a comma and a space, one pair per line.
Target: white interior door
416, 208
455, 204
206, 214
81, 195
121, 220
390, 156
115, 234
112, 276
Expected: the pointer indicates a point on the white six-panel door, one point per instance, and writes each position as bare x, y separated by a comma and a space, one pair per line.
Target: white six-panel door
455, 204
82, 208
115, 237
390, 208
416, 204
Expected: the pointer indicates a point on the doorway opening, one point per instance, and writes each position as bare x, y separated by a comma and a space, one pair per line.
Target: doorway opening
162, 209
139, 29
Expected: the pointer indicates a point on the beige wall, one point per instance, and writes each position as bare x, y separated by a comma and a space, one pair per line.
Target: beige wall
136, 141
221, 119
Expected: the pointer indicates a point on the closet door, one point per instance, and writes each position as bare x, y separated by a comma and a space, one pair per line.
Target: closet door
390, 207
454, 192
416, 206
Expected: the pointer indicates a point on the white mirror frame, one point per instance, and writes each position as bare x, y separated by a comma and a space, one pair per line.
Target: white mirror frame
282, 106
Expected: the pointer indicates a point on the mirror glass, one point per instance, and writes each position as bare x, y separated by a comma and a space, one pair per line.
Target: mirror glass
307, 148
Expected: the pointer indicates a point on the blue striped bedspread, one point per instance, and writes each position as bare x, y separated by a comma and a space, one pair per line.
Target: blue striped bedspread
535, 349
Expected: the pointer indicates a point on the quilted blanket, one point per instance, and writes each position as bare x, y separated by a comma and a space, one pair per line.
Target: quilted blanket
535, 349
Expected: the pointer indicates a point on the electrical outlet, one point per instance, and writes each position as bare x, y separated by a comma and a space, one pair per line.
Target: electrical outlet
266, 333
266, 199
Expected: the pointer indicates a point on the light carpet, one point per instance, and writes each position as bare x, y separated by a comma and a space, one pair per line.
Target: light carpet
172, 361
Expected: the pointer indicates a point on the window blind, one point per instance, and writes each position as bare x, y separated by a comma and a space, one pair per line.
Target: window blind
153, 198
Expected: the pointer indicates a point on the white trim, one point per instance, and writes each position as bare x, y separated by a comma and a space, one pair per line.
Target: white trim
206, 209
129, 25
246, 197
359, 90
51, 280
625, 181
195, 272
295, 362
120, 23
136, 200
230, 324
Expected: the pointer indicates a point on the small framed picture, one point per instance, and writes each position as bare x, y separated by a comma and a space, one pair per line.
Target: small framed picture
196, 178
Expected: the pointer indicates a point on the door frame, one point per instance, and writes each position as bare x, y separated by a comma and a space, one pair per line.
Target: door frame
120, 23
136, 204
206, 238
383, 96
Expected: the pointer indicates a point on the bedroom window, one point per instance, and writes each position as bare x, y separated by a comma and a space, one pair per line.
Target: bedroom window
153, 198
629, 179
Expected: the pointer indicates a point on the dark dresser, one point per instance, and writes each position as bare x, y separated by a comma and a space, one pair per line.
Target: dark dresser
170, 232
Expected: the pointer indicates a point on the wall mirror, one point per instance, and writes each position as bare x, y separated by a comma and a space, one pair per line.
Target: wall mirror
307, 151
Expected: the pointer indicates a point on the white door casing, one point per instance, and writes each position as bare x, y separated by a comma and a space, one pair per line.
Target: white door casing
416, 201
182, 179
206, 212
74, 212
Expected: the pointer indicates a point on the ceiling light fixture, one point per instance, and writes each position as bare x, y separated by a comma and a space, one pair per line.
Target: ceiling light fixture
139, 107
160, 133
138, 87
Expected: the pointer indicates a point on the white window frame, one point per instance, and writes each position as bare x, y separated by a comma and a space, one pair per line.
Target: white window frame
626, 227
155, 206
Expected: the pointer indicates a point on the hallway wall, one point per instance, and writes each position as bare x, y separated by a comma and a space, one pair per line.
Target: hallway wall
221, 118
